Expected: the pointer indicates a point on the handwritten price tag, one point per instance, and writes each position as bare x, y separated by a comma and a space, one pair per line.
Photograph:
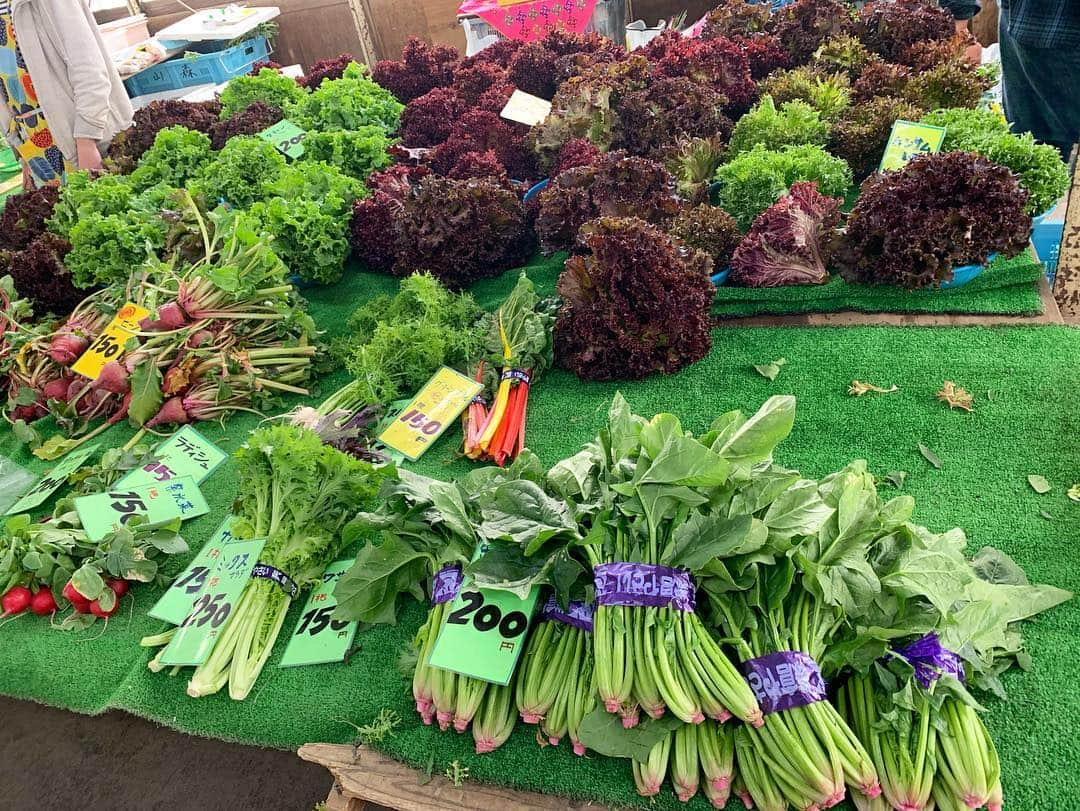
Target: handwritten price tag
286, 137
909, 140
175, 604
526, 109
185, 453
429, 413
49, 484
318, 639
103, 513
484, 633
109, 345
201, 628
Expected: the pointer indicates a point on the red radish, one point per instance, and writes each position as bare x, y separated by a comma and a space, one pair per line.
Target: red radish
122, 411
113, 378
15, 600
56, 389
28, 413
171, 412
75, 597
66, 348
75, 386
120, 587
98, 611
43, 603
170, 316
199, 338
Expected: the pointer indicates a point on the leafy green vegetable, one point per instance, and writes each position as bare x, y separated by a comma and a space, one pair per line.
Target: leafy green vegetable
178, 154
1039, 484
793, 123
755, 179
269, 86
350, 103
244, 172
357, 153
308, 239
83, 197
930, 456
770, 370
316, 180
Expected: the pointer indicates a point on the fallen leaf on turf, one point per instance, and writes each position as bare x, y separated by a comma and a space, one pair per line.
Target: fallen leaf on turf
1074, 492
1046, 515
770, 370
956, 396
990, 394
858, 388
1039, 484
896, 478
930, 456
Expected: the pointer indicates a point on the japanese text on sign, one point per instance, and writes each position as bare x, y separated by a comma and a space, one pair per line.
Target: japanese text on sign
909, 140
319, 639
176, 603
56, 477
430, 413
286, 137
159, 504
201, 628
185, 453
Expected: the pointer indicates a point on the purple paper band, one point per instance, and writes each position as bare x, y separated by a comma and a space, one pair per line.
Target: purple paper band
446, 584
518, 375
643, 584
265, 571
784, 680
579, 615
931, 660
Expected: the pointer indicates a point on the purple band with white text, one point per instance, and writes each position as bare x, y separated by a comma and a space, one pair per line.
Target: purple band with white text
578, 614
932, 660
643, 584
265, 571
446, 584
784, 680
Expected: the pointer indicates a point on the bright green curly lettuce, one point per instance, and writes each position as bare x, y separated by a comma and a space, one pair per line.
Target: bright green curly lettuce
357, 153
178, 154
308, 238
792, 123
244, 172
756, 179
268, 86
348, 103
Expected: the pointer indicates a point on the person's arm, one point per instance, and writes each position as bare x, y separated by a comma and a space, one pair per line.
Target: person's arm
90, 81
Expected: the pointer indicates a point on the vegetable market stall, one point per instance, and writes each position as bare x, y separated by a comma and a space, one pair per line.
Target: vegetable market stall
981, 486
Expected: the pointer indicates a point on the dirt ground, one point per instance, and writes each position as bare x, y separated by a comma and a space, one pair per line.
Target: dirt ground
56, 760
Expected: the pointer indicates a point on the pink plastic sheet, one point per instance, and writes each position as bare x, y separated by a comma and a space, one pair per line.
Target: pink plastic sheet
530, 21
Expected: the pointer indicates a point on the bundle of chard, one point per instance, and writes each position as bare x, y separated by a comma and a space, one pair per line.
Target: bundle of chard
555, 686
519, 346
425, 530
298, 494
227, 332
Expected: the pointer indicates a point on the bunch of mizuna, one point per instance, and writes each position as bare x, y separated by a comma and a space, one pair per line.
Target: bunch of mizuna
826, 648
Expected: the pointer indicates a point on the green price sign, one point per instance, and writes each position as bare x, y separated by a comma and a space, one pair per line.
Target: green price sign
185, 453
484, 633
175, 604
103, 513
286, 137
908, 140
48, 485
200, 629
318, 639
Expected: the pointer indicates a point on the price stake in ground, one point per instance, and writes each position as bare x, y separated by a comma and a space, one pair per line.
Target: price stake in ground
109, 345
214, 602
103, 513
484, 633
429, 413
318, 639
176, 603
286, 137
908, 140
49, 484
185, 453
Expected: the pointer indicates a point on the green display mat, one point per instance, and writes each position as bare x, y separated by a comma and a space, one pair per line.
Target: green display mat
1006, 287
1030, 424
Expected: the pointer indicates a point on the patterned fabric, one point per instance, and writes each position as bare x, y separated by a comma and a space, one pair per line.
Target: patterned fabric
1035, 23
34, 142
530, 21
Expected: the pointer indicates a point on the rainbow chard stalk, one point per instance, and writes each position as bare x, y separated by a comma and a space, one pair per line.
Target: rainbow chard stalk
684, 761
495, 720
649, 776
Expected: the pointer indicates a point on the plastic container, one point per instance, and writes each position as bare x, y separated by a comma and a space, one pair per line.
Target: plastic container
121, 34
535, 190
608, 19
720, 278
209, 66
966, 273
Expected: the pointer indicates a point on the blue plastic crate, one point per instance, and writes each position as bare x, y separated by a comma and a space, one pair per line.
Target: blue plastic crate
214, 67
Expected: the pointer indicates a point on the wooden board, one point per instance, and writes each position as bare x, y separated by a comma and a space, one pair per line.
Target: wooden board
363, 775
1067, 281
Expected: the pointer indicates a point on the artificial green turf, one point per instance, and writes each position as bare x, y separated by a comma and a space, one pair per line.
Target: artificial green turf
1006, 287
1029, 424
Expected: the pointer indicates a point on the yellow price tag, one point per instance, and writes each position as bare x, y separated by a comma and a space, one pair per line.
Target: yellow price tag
429, 413
909, 140
109, 345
